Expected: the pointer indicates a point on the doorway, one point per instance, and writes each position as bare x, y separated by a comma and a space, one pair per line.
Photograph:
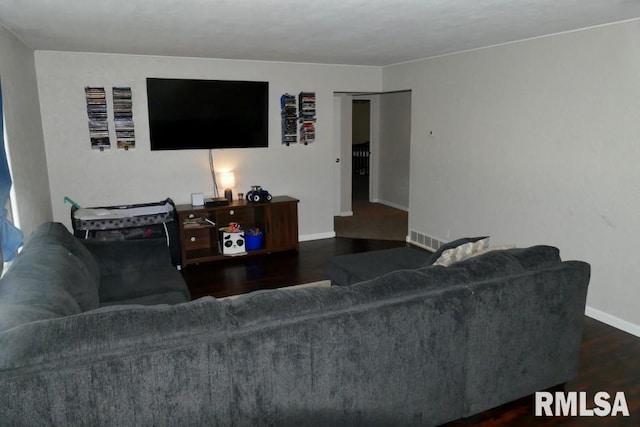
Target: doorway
360, 150
373, 144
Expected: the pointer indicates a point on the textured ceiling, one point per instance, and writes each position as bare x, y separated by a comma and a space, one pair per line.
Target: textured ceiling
365, 32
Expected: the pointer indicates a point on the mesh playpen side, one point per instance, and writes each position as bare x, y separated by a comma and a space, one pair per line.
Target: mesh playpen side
130, 222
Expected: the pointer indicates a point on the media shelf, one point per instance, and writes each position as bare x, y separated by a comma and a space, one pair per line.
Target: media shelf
199, 242
307, 116
289, 118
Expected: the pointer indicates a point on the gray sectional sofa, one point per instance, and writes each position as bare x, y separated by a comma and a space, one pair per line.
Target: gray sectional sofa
411, 347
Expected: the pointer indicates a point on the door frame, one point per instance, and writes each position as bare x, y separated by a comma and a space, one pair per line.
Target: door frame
343, 120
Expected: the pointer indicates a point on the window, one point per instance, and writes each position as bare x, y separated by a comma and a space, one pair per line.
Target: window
10, 235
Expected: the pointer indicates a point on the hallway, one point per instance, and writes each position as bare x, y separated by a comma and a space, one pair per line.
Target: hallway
371, 220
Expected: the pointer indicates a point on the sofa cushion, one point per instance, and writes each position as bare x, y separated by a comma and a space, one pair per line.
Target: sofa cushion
132, 269
130, 284
344, 270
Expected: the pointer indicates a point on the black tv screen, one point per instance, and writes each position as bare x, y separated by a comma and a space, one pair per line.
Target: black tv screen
207, 114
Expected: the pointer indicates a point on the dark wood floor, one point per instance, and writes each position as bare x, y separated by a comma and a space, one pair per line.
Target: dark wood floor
245, 274
610, 358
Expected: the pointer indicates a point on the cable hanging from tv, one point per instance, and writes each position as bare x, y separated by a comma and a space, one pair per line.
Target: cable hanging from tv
216, 193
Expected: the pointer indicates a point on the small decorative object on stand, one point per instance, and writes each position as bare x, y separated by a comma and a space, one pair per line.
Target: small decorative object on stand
234, 227
257, 194
253, 239
197, 199
232, 240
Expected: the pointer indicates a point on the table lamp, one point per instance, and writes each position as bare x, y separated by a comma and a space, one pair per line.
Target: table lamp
228, 181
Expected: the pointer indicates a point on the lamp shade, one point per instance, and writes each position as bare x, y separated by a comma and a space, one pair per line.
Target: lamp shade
227, 179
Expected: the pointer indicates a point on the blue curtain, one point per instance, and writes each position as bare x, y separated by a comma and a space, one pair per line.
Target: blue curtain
10, 236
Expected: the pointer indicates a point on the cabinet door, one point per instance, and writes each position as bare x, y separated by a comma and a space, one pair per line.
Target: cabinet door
281, 226
196, 239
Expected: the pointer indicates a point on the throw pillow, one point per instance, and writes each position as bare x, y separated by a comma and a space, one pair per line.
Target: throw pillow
461, 252
437, 254
491, 249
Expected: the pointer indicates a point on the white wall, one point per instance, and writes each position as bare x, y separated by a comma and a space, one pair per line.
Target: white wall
120, 177
536, 142
24, 132
394, 149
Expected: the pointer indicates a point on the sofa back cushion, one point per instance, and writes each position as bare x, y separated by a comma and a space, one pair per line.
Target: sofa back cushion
109, 332
382, 343
53, 276
535, 257
498, 263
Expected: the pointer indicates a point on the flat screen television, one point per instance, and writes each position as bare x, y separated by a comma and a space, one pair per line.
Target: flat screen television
189, 114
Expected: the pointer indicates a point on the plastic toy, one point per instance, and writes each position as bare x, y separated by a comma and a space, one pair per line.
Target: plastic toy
257, 194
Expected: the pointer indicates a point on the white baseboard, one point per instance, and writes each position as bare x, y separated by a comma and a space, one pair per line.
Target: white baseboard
391, 204
346, 213
614, 321
317, 236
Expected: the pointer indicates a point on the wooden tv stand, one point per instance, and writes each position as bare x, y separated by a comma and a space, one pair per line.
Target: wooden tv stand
278, 220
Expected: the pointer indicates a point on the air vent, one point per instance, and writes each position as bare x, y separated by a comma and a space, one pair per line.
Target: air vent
424, 241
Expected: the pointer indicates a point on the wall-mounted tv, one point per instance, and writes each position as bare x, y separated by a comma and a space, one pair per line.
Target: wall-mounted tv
187, 114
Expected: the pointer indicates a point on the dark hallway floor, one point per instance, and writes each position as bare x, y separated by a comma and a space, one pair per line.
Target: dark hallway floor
371, 220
